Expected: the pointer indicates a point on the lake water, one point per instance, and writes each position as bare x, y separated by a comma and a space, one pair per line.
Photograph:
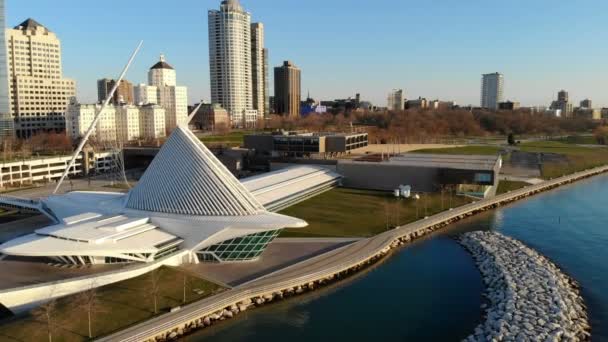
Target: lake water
431, 291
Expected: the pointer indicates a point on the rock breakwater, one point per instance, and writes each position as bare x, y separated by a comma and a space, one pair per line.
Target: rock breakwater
530, 299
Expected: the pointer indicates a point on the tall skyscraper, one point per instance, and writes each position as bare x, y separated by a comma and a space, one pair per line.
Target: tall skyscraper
396, 100
563, 96
267, 106
162, 89
40, 94
492, 90
123, 95
587, 103
6, 120
259, 66
230, 59
287, 89
563, 104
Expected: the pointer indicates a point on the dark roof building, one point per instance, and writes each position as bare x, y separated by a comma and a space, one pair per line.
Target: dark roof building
29, 24
162, 65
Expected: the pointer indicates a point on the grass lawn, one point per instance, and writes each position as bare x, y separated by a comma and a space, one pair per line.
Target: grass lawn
466, 150
359, 213
119, 186
120, 305
577, 158
234, 138
579, 140
506, 186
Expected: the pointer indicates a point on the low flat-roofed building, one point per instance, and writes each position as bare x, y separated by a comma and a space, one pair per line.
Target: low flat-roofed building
588, 113
295, 144
509, 105
48, 169
470, 174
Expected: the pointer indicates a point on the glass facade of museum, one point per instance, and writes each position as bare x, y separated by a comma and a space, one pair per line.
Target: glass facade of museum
245, 248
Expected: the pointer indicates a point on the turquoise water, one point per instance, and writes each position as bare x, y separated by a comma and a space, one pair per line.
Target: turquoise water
431, 291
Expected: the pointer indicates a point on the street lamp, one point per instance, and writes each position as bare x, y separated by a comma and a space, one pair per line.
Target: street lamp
416, 198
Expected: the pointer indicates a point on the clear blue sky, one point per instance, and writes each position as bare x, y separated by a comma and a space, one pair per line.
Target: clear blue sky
435, 49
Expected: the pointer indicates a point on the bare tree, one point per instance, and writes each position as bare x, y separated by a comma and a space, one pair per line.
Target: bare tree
46, 313
387, 214
154, 278
90, 302
188, 284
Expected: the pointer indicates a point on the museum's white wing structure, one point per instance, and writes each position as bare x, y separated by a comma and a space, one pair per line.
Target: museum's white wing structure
186, 200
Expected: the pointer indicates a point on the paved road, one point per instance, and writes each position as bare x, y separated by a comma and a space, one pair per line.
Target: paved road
324, 265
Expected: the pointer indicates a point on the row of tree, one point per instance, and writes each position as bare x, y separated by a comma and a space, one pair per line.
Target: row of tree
420, 126
409, 126
90, 304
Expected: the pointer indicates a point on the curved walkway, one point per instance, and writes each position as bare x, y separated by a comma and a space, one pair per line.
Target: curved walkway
330, 264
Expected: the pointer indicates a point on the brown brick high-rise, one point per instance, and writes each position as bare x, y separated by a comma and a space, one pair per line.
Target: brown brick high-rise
287, 89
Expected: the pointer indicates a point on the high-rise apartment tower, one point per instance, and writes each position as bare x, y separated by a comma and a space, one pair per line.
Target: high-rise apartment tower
6, 120
492, 90
287, 89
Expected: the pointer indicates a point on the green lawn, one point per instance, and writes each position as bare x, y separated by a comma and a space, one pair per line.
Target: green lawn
576, 158
119, 186
506, 186
120, 305
579, 140
358, 213
234, 138
466, 150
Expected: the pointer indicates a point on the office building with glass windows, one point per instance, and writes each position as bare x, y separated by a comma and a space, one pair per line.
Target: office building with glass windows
6, 120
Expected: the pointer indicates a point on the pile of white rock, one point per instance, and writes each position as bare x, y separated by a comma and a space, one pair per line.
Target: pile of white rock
530, 299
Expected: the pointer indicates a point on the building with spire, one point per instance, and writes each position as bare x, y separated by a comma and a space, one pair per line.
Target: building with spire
162, 89
39, 93
237, 63
6, 120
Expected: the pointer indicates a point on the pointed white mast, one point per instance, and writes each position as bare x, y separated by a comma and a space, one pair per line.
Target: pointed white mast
193, 114
97, 117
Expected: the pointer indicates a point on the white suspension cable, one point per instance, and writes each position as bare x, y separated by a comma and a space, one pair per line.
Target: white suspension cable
97, 117
193, 114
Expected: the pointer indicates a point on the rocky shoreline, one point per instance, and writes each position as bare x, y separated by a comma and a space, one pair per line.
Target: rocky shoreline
530, 299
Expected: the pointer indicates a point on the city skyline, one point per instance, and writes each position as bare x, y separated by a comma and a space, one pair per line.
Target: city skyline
438, 63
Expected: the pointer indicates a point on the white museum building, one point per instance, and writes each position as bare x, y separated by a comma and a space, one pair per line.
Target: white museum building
186, 201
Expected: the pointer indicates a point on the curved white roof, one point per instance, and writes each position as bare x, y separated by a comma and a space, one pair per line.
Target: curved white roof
95, 235
185, 178
289, 185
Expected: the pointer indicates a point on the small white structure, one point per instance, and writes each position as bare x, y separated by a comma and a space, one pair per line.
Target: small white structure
405, 191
